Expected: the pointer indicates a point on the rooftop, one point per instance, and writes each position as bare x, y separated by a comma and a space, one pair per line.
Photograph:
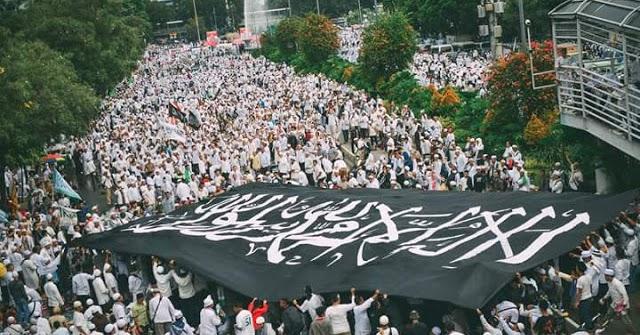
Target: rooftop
624, 14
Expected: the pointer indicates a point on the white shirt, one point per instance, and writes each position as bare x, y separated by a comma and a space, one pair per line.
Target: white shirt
53, 295
209, 320
310, 305
43, 326
584, 284
80, 284
185, 285
362, 324
244, 323
617, 293
119, 311
161, 310
338, 316
101, 290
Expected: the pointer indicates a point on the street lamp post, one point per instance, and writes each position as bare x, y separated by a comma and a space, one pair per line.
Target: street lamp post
360, 11
318, 6
195, 17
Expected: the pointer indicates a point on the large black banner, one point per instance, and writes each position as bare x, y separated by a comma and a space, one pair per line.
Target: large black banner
270, 241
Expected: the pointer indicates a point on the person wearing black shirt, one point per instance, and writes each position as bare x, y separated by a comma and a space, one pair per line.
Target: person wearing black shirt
415, 326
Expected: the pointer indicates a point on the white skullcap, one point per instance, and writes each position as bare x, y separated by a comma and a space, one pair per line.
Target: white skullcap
160, 269
97, 273
121, 323
609, 272
436, 330
208, 301
77, 304
91, 326
89, 302
108, 329
49, 276
260, 320
585, 254
384, 320
116, 296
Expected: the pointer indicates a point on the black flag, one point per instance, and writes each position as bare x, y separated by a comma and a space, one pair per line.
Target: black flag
271, 240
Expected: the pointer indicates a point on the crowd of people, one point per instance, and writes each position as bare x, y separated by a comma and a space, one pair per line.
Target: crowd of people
466, 71
189, 125
255, 120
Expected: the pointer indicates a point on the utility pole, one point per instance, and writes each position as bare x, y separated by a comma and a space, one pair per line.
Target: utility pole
492, 9
195, 17
318, 6
289, 4
523, 36
360, 11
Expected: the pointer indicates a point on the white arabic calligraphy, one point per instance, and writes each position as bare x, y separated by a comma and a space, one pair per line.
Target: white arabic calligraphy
284, 228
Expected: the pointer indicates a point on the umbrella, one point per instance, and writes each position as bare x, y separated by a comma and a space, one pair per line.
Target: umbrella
52, 158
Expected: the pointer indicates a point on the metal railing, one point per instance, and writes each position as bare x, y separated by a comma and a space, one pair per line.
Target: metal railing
591, 95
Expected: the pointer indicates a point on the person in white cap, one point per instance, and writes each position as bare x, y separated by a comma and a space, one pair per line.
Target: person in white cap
619, 304
163, 279
181, 326
384, 327
12, 327
92, 329
30, 272
121, 326
42, 324
161, 312
263, 327
91, 309
54, 297
118, 310
584, 297
79, 322
100, 289
110, 280
109, 329
510, 328
209, 319
435, 331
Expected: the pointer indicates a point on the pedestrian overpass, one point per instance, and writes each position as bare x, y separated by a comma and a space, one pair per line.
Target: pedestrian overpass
597, 63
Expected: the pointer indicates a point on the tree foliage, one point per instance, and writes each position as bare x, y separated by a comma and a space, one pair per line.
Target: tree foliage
288, 33
103, 39
388, 46
514, 102
55, 56
318, 38
41, 98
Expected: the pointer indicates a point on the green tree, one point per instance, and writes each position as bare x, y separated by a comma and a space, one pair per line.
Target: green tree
439, 16
288, 34
535, 10
41, 98
318, 39
388, 46
103, 39
515, 105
